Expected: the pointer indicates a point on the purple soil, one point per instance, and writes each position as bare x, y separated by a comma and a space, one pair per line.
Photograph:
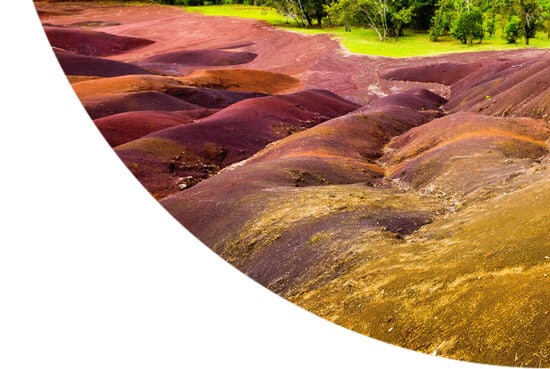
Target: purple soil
79, 65
444, 73
230, 135
318, 61
100, 107
171, 98
121, 128
210, 98
246, 127
176, 61
465, 152
518, 87
361, 135
92, 43
501, 86
329, 153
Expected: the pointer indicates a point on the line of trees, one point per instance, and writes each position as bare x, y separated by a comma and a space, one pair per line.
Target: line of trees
465, 20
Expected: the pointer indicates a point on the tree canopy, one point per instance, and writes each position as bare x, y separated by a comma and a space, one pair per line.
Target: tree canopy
465, 20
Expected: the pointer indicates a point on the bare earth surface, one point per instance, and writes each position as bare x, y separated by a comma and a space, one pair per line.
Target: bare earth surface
405, 199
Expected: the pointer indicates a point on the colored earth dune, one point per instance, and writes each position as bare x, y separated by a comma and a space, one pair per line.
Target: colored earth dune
405, 199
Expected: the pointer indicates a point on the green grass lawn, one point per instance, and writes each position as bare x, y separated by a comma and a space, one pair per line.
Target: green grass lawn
365, 41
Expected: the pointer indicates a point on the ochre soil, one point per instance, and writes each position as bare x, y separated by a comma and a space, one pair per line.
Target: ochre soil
405, 199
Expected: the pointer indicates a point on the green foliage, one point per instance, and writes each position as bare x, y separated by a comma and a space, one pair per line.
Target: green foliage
367, 13
469, 26
399, 18
512, 30
490, 23
441, 20
545, 15
304, 12
530, 11
363, 40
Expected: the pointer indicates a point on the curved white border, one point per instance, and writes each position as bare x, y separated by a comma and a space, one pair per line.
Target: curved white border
95, 274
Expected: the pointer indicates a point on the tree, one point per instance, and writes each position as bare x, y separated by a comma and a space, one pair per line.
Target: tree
512, 30
442, 19
302, 12
469, 26
530, 11
370, 13
399, 19
400, 14
545, 15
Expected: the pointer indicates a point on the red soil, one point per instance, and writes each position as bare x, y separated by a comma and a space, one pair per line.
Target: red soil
80, 65
510, 84
342, 150
91, 43
223, 85
444, 73
178, 62
372, 162
506, 87
228, 136
362, 134
317, 61
121, 128
135, 101
465, 152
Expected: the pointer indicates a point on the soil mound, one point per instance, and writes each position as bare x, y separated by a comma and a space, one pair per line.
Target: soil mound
92, 43
343, 150
243, 80
360, 135
127, 83
445, 73
506, 88
465, 152
219, 91
327, 167
193, 152
125, 127
113, 94
80, 65
176, 61
438, 243
134, 101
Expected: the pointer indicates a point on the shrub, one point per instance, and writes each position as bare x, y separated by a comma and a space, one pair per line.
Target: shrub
512, 31
469, 26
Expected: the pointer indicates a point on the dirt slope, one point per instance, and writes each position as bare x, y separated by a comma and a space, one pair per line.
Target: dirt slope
401, 198
171, 159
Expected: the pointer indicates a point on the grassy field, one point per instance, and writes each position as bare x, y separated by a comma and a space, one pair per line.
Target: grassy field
365, 41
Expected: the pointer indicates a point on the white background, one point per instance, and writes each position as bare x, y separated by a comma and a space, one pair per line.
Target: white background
94, 273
